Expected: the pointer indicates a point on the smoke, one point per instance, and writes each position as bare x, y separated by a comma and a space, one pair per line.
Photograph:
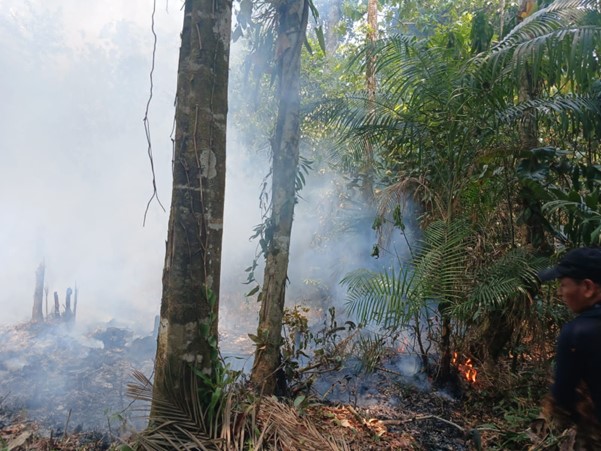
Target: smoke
75, 180
75, 176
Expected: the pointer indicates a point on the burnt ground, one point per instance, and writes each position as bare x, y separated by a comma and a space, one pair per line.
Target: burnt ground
67, 381
64, 390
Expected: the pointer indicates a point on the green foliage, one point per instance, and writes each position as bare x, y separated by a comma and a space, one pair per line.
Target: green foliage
583, 224
568, 185
512, 276
371, 348
550, 47
481, 33
306, 352
385, 298
443, 122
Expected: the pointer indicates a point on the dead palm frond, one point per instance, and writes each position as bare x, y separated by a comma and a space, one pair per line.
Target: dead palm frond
244, 423
176, 423
284, 429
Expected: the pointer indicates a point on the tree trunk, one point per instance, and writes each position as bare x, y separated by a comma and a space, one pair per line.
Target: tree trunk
331, 36
292, 25
187, 337
75, 303
534, 227
37, 314
370, 84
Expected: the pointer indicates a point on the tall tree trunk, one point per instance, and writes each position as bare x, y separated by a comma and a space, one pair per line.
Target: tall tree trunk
68, 315
37, 314
292, 25
333, 17
501, 19
528, 130
370, 85
187, 337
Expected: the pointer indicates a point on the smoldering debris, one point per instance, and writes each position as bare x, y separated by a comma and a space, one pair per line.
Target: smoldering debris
68, 381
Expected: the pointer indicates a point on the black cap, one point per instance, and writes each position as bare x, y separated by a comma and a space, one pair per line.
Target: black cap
582, 263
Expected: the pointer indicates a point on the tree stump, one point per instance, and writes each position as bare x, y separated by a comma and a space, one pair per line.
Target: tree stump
37, 314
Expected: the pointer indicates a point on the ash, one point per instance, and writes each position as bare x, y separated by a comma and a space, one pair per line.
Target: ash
68, 381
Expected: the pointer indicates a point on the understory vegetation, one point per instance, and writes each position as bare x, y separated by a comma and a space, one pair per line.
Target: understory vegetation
483, 134
470, 132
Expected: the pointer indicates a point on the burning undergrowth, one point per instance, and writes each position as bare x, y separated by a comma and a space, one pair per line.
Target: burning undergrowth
68, 381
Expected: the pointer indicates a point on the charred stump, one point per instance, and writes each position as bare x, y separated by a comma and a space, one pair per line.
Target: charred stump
46, 297
68, 315
57, 306
75, 303
37, 314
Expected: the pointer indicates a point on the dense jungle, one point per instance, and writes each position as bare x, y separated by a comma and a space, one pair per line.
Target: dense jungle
437, 155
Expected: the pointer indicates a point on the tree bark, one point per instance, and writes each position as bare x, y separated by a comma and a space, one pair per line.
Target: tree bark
370, 84
534, 226
187, 336
331, 36
37, 314
292, 25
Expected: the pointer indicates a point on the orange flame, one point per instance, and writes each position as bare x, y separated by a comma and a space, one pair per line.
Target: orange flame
466, 368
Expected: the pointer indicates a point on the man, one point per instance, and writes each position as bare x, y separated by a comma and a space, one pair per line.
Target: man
578, 362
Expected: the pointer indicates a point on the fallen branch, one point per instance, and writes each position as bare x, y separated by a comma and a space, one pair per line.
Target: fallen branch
424, 417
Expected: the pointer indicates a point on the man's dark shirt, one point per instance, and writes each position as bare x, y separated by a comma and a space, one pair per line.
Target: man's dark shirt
579, 359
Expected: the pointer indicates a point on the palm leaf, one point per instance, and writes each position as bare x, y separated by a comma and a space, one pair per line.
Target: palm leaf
512, 276
584, 108
442, 261
385, 298
436, 275
560, 40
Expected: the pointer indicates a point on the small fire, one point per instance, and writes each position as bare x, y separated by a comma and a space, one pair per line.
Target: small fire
466, 368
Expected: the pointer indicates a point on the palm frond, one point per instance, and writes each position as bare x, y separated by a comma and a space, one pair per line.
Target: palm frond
567, 109
560, 40
177, 423
512, 276
384, 298
442, 261
437, 275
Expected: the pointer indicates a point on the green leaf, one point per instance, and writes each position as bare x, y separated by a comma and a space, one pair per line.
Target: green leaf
299, 400
321, 39
253, 291
314, 10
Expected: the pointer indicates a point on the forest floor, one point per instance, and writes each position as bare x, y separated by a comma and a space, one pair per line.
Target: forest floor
421, 423
59, 392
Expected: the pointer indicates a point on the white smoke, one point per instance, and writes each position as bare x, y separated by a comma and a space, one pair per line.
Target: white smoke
75, 176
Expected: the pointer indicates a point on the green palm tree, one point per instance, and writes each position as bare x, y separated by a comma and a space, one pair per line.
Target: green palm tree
442, 122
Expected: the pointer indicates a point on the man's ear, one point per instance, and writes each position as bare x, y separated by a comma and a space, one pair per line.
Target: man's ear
592, 289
